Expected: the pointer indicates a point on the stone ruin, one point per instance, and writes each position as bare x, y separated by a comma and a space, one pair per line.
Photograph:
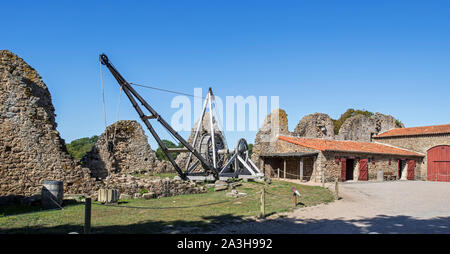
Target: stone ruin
122, 149
276, 123
316, 125
363, 128
31, 149
319, 125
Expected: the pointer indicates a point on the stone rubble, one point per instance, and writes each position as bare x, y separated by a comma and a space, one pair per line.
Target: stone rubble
236, 194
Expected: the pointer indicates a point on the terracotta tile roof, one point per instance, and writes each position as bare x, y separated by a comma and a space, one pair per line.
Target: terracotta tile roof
425, 130
348, 146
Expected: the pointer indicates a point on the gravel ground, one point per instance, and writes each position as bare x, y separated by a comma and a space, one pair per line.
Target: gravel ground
365, 208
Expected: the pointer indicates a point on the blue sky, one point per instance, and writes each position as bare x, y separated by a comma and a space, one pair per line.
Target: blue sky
318, 56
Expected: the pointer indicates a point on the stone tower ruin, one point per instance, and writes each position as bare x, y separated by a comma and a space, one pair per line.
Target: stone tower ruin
31, 149
122, 149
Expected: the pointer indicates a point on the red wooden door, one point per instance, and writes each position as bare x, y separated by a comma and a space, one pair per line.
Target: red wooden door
343, 169
438, 162
411, 167
364, 170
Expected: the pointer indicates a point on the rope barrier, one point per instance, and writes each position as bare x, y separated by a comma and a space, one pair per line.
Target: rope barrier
298, 176
276, 195
176, 207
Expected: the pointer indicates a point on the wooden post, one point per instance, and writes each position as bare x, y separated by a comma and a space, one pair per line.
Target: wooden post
278, 173
315, 168
262, 166
295, 199
323, 178
284, 168
301, 168
87, 215
336, 183
263, 203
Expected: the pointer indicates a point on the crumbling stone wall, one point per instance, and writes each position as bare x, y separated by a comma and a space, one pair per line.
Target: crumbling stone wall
317, 125
122, 149
362, 128
31, 149
276, 123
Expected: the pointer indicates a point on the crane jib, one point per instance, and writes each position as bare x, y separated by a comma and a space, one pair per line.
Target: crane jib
133, 96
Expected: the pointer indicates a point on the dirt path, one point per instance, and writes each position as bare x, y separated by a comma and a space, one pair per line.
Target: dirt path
370, 207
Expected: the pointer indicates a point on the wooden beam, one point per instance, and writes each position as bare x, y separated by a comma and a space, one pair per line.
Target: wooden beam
177, 150
302, 164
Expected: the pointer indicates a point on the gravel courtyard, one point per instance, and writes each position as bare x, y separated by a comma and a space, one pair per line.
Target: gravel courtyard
365, 208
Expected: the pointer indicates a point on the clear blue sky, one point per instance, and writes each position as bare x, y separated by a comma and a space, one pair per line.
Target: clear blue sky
318, 56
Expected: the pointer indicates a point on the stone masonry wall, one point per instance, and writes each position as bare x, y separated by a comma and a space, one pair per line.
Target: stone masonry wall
276, 123
122, 148
419, 144
31, 149
333, 170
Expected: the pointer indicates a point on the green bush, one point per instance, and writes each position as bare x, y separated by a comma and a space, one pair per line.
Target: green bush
78, 148
349, 113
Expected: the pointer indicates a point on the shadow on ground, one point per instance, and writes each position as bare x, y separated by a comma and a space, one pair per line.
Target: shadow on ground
381, 224
229, 224
146, 227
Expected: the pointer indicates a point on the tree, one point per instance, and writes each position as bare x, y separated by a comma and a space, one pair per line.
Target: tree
79, 147
250, 150
160, 154
349, 113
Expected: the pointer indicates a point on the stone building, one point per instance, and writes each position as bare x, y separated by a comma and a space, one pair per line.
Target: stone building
419, 153
314, 159
432, 141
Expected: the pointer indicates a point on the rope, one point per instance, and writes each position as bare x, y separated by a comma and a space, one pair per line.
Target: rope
276, 195
117, 120
103, 95
165, 90
298, 176
219, 120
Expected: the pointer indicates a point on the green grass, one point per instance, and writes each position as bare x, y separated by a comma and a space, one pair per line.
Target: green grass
158, 215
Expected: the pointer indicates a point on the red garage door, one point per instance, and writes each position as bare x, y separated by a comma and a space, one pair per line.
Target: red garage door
438, 160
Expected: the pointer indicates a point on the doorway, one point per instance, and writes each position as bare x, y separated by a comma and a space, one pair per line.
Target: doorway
350, 167
402, 171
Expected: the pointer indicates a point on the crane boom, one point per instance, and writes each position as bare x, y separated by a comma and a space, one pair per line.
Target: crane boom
133, 96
